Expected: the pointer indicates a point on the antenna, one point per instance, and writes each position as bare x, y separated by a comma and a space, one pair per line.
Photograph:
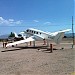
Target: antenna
72, 32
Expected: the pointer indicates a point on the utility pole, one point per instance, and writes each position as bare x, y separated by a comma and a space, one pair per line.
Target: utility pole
72, 32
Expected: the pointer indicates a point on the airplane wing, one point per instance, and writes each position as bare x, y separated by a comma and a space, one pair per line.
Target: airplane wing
32, 38
21, 41
38, 37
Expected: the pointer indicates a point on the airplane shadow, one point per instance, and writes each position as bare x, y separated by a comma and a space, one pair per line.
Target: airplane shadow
10, 50
21, 48
47, 50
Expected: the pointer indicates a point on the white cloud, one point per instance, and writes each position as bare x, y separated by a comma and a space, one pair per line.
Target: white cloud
9, 21
48, 23
35, 20
18, 22
1, 18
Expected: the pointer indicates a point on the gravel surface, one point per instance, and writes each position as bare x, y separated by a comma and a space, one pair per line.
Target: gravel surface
23, 60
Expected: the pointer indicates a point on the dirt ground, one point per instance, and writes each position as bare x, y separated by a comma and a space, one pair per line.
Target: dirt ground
22, 60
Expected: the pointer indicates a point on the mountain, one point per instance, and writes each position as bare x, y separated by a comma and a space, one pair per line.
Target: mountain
69, 35
4, 36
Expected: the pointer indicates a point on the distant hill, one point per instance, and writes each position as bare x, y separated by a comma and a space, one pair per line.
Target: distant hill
69, 35
4, 36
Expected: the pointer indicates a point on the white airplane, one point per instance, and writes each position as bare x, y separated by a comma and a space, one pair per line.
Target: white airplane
20, 36
32, 34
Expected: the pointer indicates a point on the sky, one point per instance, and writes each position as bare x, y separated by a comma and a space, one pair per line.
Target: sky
46, 15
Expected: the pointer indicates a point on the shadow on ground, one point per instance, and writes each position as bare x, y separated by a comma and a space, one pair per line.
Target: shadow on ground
46, 49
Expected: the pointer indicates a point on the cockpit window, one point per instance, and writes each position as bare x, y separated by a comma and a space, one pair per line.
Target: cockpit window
36, 32
32, 31
27, 30
19, 35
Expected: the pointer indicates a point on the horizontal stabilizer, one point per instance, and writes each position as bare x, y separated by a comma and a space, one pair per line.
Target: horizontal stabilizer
55, 33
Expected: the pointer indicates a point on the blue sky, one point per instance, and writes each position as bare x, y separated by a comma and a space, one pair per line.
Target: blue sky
47, 15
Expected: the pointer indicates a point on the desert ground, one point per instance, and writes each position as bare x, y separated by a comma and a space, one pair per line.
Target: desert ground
38, 60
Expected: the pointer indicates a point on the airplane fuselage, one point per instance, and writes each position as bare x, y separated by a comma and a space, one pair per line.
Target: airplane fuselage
38, 33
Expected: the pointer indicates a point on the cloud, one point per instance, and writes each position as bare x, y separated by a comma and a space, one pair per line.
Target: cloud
18, 22
47, 23
1, 18
35, 20
9, 21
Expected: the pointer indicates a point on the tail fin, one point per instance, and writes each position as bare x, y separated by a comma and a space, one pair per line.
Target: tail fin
15, 34
59, 37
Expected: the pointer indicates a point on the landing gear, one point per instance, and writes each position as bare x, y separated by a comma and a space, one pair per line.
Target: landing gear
33, 43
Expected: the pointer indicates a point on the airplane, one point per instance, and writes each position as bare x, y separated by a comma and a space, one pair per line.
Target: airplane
19, 36
32, 34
